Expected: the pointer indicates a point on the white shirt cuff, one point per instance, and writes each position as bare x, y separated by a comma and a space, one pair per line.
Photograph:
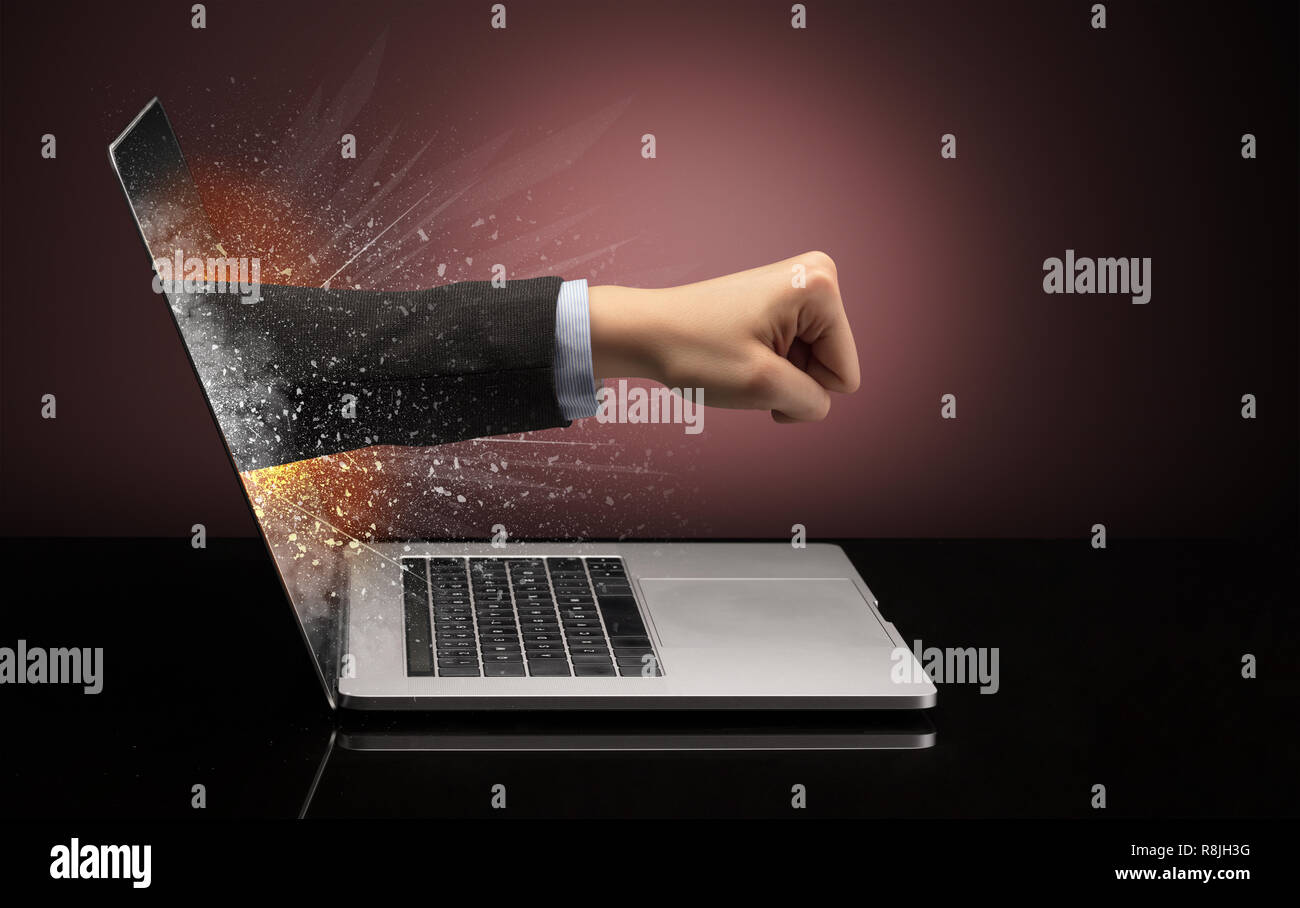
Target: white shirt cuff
575, 380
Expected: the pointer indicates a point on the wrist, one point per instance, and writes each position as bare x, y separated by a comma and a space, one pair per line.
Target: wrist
627, 337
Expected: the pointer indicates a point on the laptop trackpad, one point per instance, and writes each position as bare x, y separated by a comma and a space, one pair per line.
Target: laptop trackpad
780, 613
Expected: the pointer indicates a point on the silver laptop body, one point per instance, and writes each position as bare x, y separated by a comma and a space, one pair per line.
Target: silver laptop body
726, 626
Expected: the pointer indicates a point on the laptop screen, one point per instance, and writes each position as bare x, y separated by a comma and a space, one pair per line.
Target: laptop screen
161, 191
203, 282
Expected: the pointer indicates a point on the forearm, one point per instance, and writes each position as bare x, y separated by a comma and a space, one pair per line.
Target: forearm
307, 372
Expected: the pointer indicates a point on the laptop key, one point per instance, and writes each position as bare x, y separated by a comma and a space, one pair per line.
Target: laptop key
589, 670
622, 618
503, 669
458, 671
579, 614
637, 672
626, 642
590, 658
549, 668
612, 588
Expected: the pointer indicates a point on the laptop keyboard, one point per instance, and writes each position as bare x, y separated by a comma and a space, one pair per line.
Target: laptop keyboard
523, 617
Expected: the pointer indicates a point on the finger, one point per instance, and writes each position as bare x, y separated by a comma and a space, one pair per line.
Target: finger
834, 361
800, 353
793, 393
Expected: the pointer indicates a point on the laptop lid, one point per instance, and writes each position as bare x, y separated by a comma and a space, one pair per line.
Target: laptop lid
194, 271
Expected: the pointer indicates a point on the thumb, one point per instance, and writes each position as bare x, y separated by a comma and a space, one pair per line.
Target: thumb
792, 394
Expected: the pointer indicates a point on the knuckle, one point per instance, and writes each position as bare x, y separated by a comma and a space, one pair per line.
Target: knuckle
761, 380
821, 270
821, 260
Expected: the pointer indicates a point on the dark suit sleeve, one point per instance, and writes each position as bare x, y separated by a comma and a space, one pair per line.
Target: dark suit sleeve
305, 372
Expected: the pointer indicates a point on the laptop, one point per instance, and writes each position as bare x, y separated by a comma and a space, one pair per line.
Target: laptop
430, 624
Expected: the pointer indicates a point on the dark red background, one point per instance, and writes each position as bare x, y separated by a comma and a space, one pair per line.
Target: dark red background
1072, 409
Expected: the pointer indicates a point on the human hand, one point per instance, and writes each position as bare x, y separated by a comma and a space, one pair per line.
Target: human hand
772, 338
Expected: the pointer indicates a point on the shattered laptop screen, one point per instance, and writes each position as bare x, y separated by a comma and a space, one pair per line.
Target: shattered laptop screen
352, 511
198, 277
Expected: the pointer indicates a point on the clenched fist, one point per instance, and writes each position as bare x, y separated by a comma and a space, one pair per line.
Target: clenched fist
772, 338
